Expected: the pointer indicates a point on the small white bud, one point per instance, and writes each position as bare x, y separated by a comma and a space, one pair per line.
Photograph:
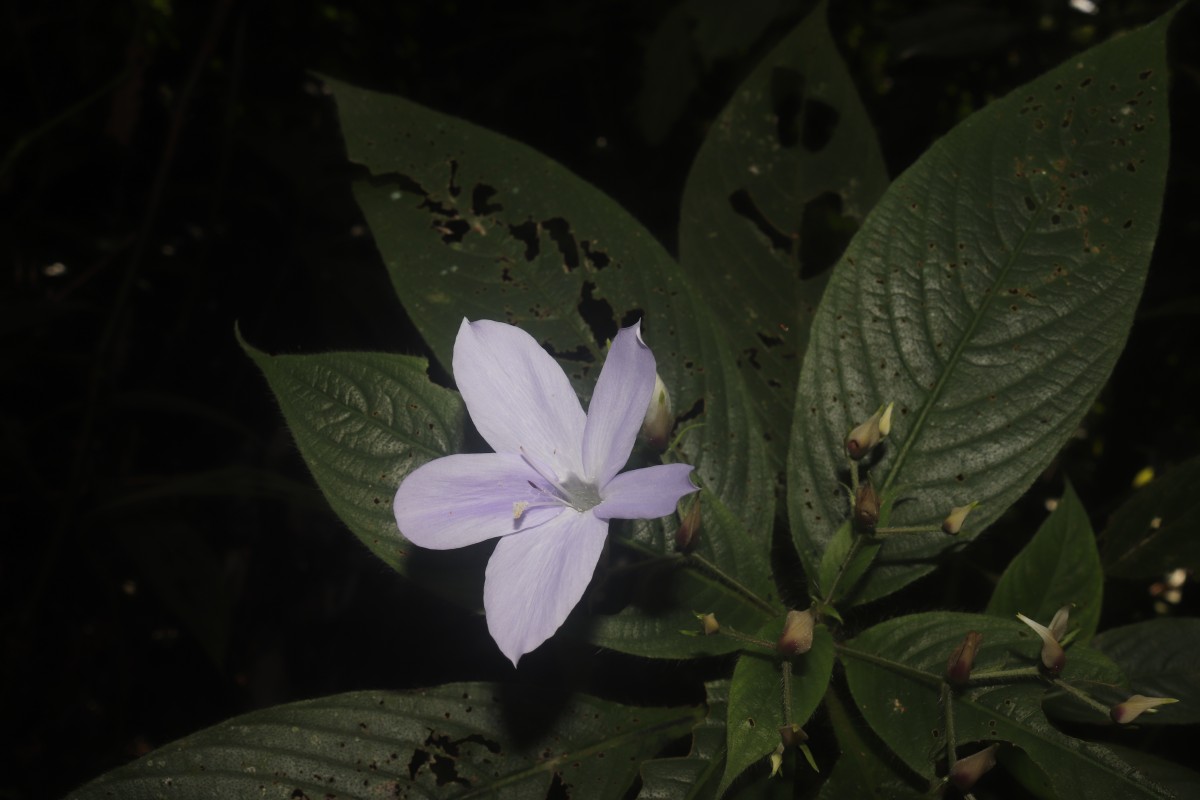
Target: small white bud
660, 418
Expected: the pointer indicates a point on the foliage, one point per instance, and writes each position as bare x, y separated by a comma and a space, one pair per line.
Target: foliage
982, 299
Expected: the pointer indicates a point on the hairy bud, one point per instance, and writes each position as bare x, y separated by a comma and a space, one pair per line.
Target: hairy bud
962, 660
797, 636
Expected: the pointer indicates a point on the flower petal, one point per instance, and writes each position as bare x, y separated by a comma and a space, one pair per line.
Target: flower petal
517, 395
463, 499
618, 405
534, 580
645, 493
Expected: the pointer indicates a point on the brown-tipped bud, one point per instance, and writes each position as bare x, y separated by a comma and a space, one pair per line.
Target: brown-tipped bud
1135, 706
1054, 658
660, 418
866, 507
860, 440
953, 522
797, 636
792, 735
689, 528
709, 623
966, 772
962, 661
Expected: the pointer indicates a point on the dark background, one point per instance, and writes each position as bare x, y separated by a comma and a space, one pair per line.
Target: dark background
170, 167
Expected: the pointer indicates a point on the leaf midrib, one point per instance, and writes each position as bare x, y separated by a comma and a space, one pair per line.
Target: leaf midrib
959, 348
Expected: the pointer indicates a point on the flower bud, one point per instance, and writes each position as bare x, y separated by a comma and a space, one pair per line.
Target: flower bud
1058, 625
953, 523
689, 527
797, 636
776, 762
710, 624
958, 668
659, 418
792, 735
966, 772
866, 507
1054, 658
1131, 709
860, 440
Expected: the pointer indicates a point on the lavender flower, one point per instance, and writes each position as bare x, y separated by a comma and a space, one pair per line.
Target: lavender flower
552, 485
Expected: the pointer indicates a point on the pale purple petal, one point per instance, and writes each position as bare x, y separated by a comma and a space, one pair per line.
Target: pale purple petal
618, 405
463, 499
517, 395
645, 493
535, 578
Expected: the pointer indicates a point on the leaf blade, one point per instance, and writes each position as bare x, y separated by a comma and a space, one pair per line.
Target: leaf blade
369, 744
988, 294
1060, 566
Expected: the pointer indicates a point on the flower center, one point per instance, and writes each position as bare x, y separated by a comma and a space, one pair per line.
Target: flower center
579, 494
573, 492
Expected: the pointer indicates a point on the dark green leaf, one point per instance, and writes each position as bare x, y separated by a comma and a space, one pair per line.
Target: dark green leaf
1174, 777
755, 699
695, 775
470, 223
895, 674
460, 740
1161, 658
1060, 566
673, 590
362, 422
784, 177
865, 770
988, 295
1155, 531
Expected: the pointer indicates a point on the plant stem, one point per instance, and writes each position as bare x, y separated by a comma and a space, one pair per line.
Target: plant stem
908, 529
948, 708
733, 633
707, 566
855, 544
787, 692
1083, 696
1005, 675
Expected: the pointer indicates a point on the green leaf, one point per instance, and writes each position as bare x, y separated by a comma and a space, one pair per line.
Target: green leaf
694, 775
1161, 658
784, 177
1060, 566
674, 589
755, 704
465, 740
1154, 532
988, 295
895, 674
362, 421
470, 223
865, 770
1174, 777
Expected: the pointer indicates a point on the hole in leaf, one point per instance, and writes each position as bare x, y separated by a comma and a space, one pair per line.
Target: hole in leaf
480, 197
597, 258
824, 234
598, 314
743, 205
527, 234
560, 234
820, 121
